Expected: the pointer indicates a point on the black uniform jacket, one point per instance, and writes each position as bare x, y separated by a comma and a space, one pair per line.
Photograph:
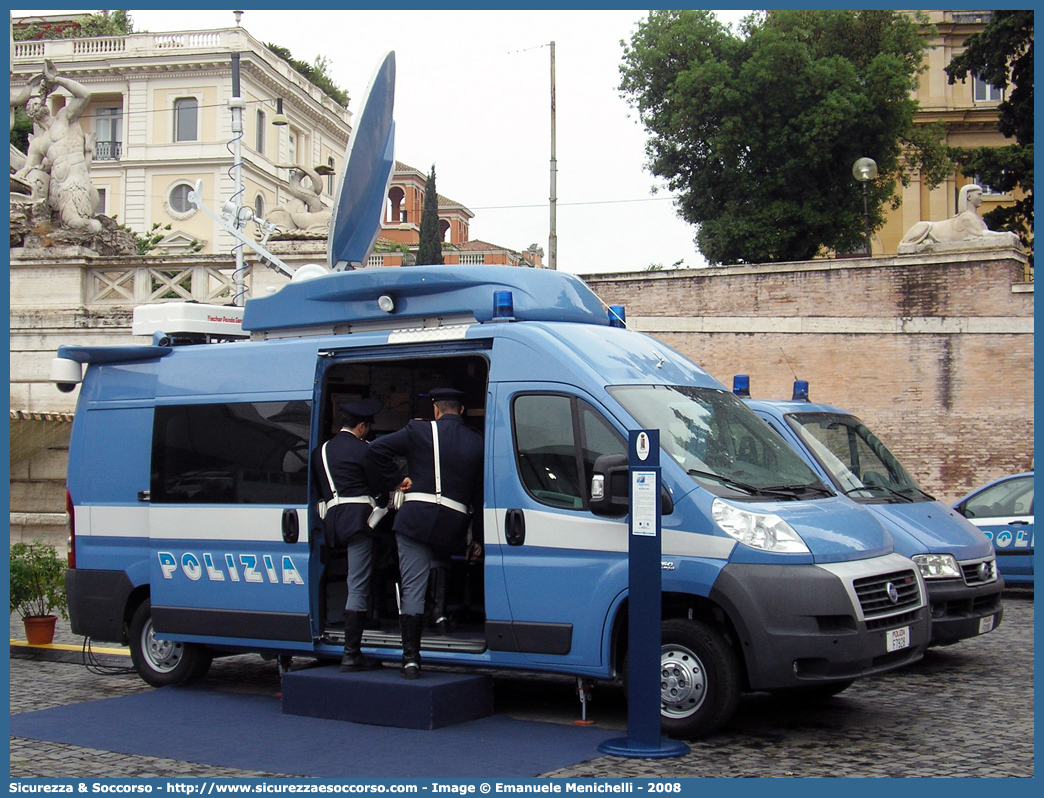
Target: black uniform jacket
460, 452
346, 455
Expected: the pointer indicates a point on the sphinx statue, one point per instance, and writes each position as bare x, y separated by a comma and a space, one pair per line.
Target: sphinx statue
304, 216
965, 229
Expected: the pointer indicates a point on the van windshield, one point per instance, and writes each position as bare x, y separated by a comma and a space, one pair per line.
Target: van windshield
858, 463
720, 442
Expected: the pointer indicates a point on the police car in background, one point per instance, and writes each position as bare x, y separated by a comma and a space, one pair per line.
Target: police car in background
956, 559
1003, 510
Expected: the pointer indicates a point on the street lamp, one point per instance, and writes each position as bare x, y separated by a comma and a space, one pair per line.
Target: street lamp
864, 170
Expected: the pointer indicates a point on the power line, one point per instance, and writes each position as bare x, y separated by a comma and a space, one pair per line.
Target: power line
544, 204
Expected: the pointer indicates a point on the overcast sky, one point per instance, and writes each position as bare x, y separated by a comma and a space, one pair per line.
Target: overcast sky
473, 98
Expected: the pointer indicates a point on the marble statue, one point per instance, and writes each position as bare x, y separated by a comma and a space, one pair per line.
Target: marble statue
305, 214
61, 150
965, 229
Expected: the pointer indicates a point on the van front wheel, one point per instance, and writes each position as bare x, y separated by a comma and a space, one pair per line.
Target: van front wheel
699, 679
163, 662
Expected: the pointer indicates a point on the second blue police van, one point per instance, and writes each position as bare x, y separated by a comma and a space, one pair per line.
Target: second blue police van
955, 558
193, 534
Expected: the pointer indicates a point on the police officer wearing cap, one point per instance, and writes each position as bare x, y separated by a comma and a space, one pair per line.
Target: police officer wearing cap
346, 502
443, 494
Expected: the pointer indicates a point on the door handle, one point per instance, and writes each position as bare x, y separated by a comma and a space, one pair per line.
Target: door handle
1018, 523
515, 528
291, 527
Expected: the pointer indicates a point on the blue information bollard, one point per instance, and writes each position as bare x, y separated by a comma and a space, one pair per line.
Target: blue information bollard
644, 738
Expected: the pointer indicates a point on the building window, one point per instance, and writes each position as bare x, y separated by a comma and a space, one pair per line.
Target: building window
260, 140
259, 207
103, 199
375, 262
186, 112
986, 188
108, 134
983, 92
292, 147
330, 177
178, 204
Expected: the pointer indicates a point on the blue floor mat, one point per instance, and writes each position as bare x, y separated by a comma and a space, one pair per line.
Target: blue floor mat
250, 732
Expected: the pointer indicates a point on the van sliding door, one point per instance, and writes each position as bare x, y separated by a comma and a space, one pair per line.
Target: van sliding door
228, 523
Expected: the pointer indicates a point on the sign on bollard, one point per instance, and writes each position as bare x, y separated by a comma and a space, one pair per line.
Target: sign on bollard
644, 739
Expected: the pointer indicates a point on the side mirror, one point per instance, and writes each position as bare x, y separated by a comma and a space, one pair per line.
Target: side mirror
610, 487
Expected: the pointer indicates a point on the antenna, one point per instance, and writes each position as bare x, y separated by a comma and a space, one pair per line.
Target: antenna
232, 225
788, 363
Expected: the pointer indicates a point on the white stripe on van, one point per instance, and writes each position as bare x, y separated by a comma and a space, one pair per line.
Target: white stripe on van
564, 530
172, 522
245, 523
112, 521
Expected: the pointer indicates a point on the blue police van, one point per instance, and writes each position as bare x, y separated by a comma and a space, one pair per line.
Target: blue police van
955, 558
193, 533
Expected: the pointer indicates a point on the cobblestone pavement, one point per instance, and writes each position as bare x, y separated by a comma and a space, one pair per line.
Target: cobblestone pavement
963, 711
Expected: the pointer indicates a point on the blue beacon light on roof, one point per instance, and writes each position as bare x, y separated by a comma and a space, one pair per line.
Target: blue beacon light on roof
503, 306
617, 316
741, 384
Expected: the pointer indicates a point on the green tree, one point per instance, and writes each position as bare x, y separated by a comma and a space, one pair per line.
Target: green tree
317, 73
101, 23
1002, 55
757, 132
430, 249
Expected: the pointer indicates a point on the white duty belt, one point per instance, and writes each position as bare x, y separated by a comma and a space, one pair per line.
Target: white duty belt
436, 497
324, 507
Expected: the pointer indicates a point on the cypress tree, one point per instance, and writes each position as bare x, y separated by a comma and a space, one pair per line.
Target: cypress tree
430, 249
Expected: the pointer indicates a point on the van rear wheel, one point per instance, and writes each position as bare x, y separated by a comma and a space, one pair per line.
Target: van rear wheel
699, 679
163, 662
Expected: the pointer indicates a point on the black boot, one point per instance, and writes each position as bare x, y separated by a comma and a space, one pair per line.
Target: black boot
411, 626
440, 620
354, 659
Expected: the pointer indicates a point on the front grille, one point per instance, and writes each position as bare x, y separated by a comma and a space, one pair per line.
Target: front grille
874, 595
891, 622
975, 575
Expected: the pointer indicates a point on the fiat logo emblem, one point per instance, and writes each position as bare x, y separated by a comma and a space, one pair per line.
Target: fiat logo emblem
893, 594
984, 571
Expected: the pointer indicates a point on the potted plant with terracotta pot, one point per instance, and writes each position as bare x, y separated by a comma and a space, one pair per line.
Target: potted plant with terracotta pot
38, 589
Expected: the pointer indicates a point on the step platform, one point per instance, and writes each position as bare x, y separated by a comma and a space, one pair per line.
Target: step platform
383, 698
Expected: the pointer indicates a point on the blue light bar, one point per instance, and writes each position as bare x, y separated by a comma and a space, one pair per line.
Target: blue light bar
617, 316
503, 305
800, 391
741, 385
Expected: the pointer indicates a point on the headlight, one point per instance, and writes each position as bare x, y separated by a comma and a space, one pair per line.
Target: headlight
757, 530
937, 566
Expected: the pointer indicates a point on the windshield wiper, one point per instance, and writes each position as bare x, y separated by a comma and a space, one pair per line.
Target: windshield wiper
798, 491
732, 483
912, 488
882, 488
776, 491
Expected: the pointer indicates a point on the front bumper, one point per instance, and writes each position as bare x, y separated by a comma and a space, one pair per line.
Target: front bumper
801, 625
958, 609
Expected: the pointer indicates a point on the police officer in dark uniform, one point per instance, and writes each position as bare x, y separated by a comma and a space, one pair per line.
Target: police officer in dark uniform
346, 503
443, 494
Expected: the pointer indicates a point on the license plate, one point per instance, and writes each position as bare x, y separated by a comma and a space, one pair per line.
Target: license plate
896, 639
986, 624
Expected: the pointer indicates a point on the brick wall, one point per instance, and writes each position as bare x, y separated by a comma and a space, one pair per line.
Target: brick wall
934, 353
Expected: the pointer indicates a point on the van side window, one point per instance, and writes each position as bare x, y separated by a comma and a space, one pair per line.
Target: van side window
243, 453
557, 440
